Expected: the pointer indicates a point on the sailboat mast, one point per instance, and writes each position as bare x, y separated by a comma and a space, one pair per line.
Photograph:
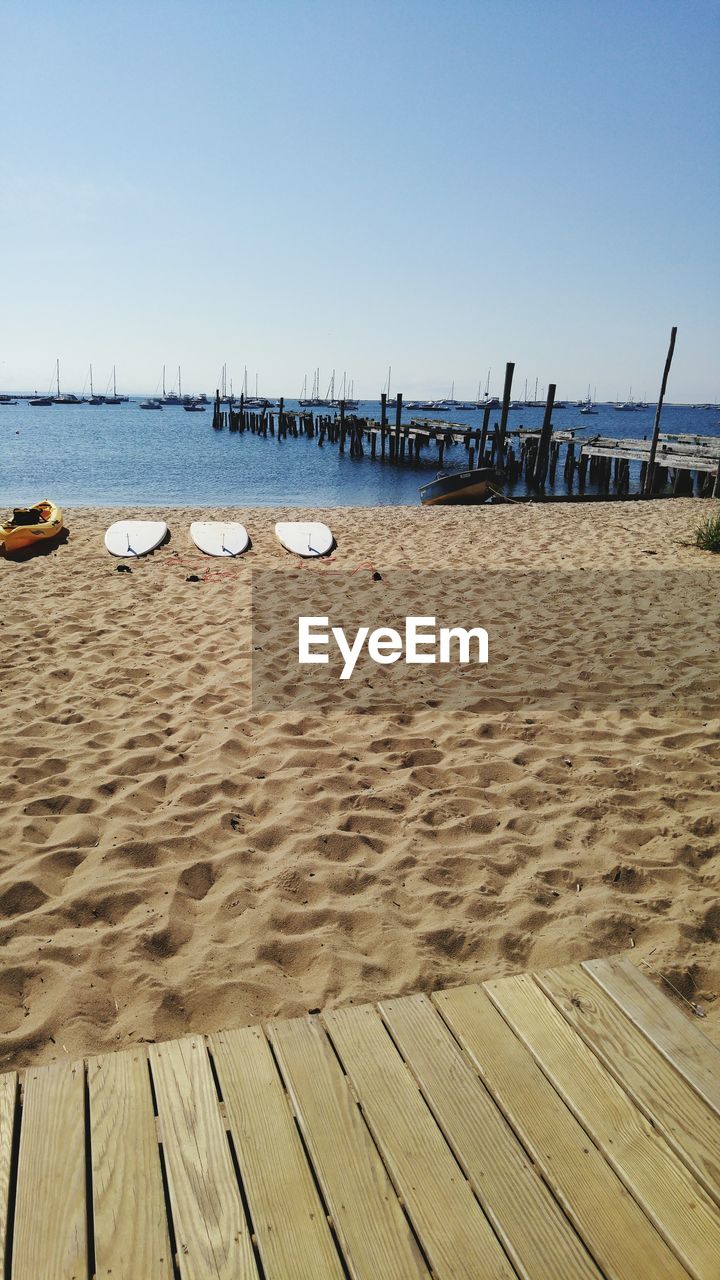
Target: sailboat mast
114, 386
92, 393
57, 375
487, 386
179, 384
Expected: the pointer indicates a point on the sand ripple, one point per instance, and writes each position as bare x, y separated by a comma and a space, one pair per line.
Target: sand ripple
170, 861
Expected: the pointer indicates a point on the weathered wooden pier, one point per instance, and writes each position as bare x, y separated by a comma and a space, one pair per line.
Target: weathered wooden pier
685, 463
669, 464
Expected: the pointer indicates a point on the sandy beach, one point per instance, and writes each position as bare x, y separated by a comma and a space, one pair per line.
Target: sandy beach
171, 859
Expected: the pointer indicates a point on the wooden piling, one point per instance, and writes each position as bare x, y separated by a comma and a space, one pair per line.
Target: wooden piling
507, 390
541, 464
484, 433
649, 476
582, 470
554, 450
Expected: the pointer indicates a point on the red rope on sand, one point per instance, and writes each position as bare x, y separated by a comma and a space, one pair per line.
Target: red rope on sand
321, 563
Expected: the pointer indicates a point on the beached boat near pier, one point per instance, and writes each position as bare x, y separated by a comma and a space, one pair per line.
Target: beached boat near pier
466, 488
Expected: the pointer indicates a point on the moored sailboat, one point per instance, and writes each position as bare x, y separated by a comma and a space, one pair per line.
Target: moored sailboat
587, 406
93, 398
114, 398
487, 401
65, 397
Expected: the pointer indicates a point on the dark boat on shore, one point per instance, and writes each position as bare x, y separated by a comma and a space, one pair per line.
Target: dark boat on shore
466, 488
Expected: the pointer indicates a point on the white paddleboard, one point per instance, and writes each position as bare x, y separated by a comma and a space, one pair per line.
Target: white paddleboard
305, 538
218, 538
134, 537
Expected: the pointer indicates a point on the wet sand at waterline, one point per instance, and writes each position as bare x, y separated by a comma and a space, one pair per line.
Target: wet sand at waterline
173, 860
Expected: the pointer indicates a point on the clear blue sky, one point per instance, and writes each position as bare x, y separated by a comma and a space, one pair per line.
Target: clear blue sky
440, 186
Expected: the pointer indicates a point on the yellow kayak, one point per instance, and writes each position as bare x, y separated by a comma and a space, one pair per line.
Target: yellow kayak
30, 525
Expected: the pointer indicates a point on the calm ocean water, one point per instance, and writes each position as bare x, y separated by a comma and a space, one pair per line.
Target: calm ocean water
121, 455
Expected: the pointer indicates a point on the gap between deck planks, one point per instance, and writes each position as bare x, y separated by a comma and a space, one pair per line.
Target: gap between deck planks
553, 1126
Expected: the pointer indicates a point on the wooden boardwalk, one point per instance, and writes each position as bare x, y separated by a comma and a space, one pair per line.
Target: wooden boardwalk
555, 1126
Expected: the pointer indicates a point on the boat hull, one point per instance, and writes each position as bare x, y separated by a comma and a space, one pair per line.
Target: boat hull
460, 488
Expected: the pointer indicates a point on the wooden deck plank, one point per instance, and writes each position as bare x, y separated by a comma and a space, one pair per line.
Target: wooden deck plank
130, 1221
535, 1232
8, 1101
619, 1236
370, 1224
50, 1238
674, 1033
679, 1207
455, 1234
293, 1235
213, 1240
675, 1109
